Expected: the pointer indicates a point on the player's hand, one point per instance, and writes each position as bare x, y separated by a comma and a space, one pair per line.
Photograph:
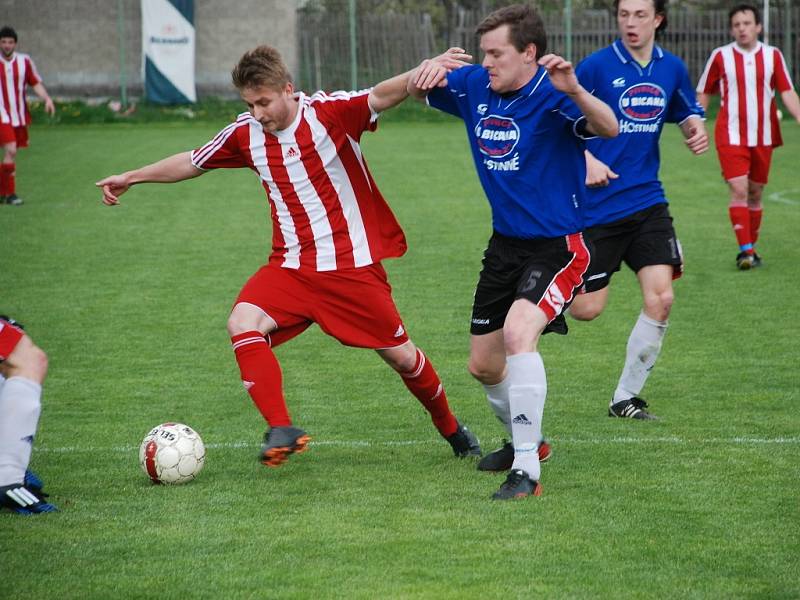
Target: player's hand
598, 173
561, 72
113, 187
432, 72
697, 138
49, 107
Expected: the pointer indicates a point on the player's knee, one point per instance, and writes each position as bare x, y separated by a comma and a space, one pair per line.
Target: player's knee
235, 326
585, 311
40, 362
487, 372
402, 361
658, 305
32, 364
240, 323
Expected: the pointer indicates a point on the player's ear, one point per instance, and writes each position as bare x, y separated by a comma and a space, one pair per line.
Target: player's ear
530, 53
289, 88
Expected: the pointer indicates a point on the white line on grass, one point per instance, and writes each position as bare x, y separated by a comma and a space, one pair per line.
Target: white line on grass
392, 443
782, 199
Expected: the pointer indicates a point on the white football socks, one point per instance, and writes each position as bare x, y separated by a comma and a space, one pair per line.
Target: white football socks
497, 395
644, 345
527, 392
20, 406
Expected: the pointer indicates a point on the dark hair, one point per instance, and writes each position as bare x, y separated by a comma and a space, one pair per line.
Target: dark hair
661, 9
525, 26
262, 66
7, 31
744, 8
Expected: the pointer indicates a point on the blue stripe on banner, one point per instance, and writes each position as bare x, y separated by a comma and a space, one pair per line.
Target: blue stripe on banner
159, 89
185, 7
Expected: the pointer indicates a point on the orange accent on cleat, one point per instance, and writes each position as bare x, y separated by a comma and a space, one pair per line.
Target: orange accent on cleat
301, 445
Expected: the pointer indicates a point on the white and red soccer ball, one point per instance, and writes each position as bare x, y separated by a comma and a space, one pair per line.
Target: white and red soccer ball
172, 453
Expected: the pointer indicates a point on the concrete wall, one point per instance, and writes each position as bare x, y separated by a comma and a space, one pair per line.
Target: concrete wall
76, 43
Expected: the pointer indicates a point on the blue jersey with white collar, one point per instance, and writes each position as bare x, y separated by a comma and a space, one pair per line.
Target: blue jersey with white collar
643, 99
528, 150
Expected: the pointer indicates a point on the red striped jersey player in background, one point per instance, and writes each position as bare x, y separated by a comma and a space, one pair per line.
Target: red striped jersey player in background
745, 74
16, 72
330, 229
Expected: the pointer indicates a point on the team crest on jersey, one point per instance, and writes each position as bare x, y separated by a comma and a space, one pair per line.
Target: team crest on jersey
496, 136
643, 102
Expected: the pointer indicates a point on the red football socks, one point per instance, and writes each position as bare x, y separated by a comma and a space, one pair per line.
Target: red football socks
755, 223
424, 383
7, 183
740, 219
261, 376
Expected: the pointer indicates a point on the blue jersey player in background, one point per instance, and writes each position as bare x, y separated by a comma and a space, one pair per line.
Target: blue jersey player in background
626, 211
526, 117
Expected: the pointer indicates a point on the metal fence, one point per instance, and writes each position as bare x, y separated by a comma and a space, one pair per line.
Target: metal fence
388, 44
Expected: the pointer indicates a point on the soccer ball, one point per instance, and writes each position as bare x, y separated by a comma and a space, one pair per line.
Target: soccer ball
172, 453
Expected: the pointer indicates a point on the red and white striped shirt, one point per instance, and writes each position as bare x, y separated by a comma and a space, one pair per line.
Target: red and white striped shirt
15, 74
746, 82
327, 212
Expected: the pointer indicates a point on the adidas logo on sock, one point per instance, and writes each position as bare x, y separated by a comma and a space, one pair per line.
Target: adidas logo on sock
521, 419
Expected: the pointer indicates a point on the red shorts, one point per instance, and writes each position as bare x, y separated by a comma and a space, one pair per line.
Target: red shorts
9, 338
752, 161
355, 306
10, 134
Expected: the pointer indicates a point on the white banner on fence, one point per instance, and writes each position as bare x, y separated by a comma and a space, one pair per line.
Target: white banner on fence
168, 41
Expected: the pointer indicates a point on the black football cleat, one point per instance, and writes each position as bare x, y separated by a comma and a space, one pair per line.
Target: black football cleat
517, 485
756, 260
464, 442
13, 200
280, 443
503, 458
22, 500
745, 261
631, 409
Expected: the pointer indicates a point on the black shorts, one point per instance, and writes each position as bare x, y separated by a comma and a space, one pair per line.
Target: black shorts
545, 271
642, 239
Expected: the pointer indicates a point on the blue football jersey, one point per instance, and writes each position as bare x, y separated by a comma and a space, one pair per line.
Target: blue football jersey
643, 98
528, 150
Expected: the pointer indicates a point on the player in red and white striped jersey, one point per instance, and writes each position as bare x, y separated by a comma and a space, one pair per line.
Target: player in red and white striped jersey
746, 73
330, 229
17, 71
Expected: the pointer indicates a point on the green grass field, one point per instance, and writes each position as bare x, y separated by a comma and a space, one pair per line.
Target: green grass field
131, 302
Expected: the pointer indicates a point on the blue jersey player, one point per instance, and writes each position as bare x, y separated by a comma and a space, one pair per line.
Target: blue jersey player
526, 117
626, 211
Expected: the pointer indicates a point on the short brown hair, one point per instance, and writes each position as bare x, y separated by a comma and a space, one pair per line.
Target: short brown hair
262, 66
525, 26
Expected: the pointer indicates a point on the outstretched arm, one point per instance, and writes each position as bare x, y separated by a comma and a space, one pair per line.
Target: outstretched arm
432, 72
792, 103
177, 167
600, 118
389, 93
694, 130
40, 90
